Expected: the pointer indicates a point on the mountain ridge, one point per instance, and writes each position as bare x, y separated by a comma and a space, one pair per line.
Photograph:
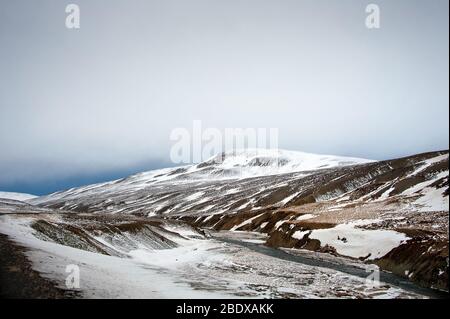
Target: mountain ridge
391, 213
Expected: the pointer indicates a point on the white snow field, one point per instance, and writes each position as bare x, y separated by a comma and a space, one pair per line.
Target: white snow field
197, 268
351, 241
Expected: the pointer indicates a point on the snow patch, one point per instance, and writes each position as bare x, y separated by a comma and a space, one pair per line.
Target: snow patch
348, 240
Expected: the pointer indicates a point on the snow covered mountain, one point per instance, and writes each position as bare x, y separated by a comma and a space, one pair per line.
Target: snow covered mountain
16, 196
248, 181
393, 213
264, 162
237, 165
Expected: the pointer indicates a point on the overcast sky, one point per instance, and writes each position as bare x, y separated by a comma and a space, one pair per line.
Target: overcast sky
80, 106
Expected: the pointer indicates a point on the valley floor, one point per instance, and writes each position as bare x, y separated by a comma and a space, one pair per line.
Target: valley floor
140, 258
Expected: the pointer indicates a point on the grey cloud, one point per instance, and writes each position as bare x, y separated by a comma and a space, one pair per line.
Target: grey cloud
107, 96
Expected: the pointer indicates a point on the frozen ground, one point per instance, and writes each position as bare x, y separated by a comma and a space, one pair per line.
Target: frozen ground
198, 267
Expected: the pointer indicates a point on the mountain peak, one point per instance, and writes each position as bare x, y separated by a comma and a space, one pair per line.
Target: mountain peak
272, 161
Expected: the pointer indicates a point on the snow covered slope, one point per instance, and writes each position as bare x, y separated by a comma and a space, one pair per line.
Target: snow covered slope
229, 166
392, 212
16, 196
217, 186
264, 162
